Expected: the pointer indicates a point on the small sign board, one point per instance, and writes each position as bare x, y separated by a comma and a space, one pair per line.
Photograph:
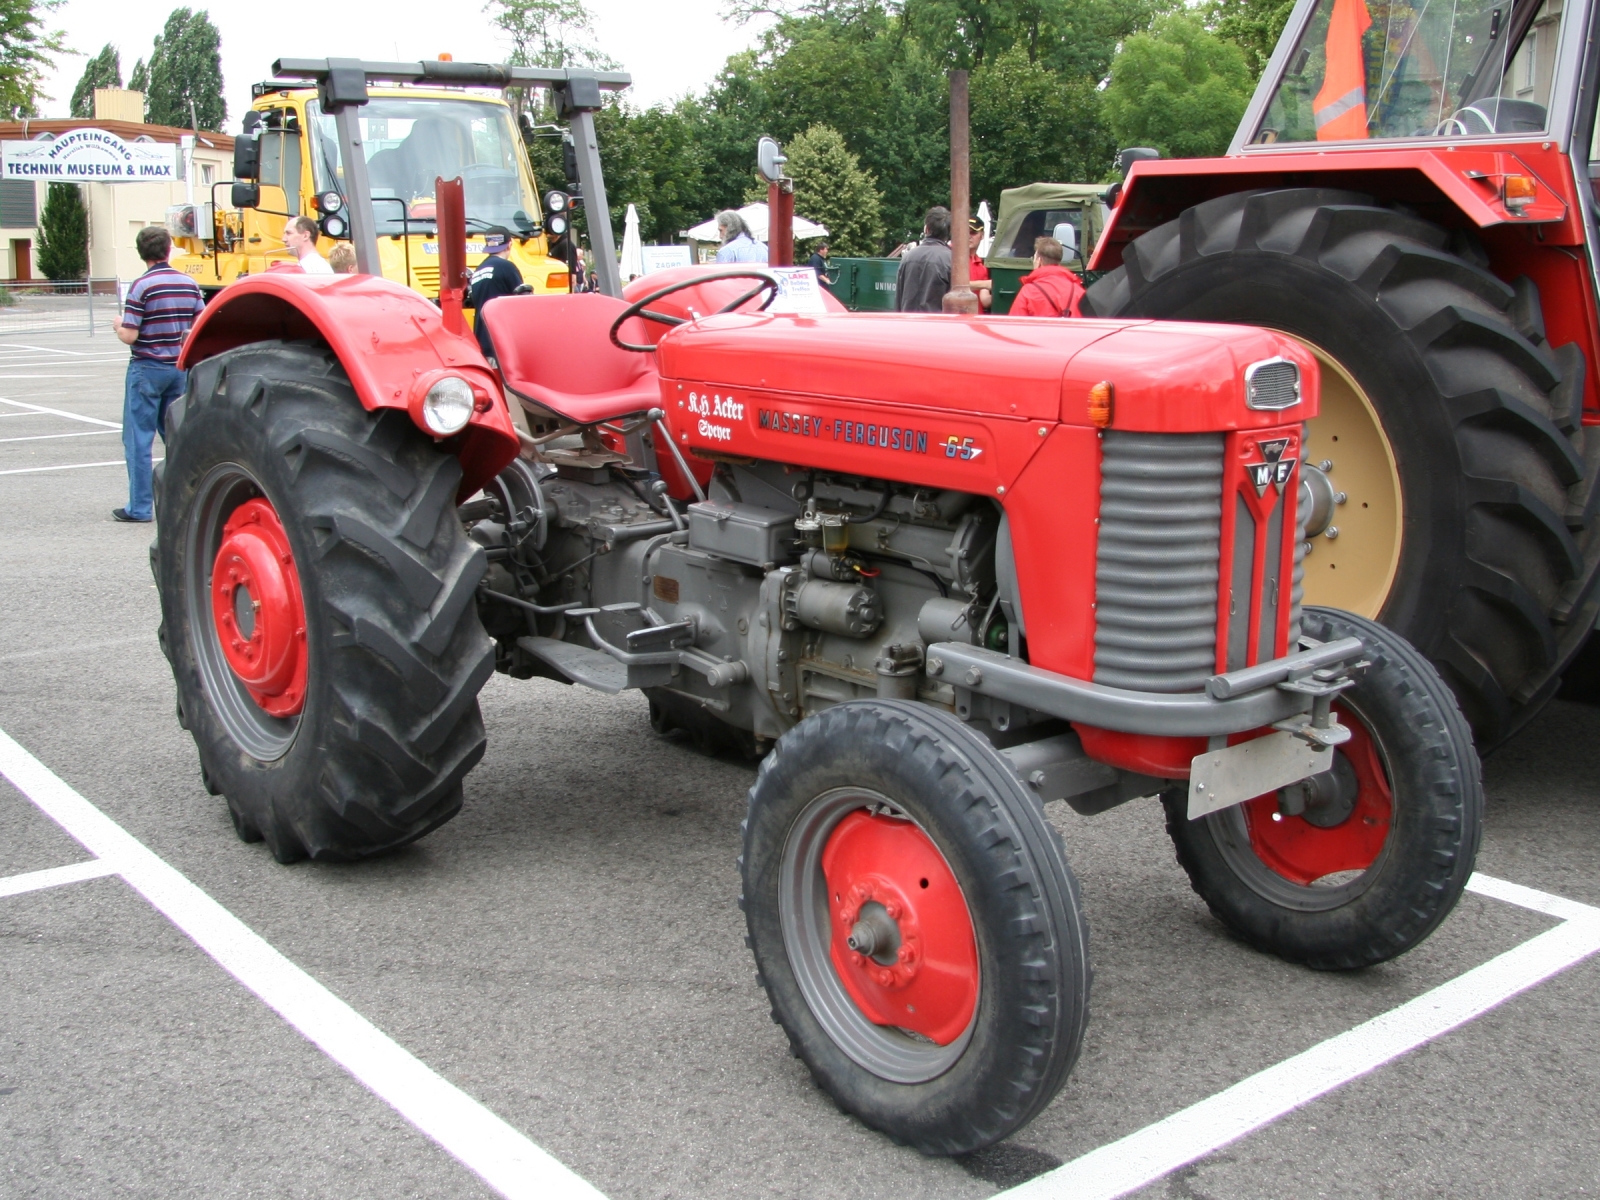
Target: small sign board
798, 291
660, 258
90, 156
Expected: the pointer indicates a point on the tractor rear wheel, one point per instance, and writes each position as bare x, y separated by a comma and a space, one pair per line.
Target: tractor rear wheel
1365, 862
915, 924
1450, 426
316, 594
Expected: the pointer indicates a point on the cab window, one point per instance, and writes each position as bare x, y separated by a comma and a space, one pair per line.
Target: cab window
1428, 69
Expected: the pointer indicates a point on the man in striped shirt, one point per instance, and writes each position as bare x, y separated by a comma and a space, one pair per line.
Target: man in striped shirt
162, 305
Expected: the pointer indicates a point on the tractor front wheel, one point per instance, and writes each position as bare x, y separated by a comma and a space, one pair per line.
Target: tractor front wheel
316, 594
1363, 861
915, 924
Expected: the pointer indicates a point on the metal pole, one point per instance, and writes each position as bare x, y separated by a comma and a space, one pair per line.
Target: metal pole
597, 211
89, 287
960, 298
780, 223
358, 190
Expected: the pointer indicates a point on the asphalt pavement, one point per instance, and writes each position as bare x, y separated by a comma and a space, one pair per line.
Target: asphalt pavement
569, 952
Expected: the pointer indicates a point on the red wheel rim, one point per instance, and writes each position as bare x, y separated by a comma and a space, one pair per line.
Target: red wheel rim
879, 867
1304, 853
259, 616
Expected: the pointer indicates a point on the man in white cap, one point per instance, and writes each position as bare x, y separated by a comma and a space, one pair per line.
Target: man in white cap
496, 276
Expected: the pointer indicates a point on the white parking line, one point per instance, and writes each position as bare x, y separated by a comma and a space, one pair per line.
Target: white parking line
48, 437
57, 412
95, 868
1157, 1150
515, 1167
110, 462
503, 1157
13, 346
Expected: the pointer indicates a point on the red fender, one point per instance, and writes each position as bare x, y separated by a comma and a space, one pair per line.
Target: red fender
391, 341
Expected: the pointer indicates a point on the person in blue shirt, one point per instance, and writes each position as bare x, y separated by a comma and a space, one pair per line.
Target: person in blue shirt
738, 243
496, 276
161, 307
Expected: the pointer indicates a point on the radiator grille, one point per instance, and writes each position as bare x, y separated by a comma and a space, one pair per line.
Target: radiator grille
1274, 383
1156, 566
427, 278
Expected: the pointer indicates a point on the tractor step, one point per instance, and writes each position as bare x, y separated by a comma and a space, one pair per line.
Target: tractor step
593, 668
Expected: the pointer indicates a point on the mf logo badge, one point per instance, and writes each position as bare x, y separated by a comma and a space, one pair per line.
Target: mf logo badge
1275, 469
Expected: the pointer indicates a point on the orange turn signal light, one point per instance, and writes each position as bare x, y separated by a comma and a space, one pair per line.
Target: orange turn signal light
558, 279
1101, 396
1519, 191
447, 58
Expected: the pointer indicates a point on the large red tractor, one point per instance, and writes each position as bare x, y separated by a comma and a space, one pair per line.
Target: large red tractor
1410, 195
943, 571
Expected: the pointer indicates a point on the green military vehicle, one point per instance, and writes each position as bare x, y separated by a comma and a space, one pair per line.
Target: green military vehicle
1075, 213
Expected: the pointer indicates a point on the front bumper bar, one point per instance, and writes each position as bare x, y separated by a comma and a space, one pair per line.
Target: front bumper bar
1249, 698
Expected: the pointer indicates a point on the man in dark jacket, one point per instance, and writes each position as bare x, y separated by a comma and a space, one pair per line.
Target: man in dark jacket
1049, 290
496, 276
924, 275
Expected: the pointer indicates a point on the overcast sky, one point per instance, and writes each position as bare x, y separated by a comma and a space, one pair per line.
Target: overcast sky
670, 48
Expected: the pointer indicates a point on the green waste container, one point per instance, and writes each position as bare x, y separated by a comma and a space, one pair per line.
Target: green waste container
864, 284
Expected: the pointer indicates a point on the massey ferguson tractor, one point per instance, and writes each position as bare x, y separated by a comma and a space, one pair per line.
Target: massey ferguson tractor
1410, 196
940, 571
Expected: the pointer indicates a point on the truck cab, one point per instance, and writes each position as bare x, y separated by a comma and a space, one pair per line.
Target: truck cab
287, 164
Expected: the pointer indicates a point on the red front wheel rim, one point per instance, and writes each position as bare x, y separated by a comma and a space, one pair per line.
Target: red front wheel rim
902, 939
1304, 853
257, 609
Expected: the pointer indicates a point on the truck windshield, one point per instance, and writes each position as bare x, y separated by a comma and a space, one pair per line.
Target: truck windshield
1424, 69
410, 142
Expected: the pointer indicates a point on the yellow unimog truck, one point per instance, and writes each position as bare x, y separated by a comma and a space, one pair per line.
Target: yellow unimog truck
287, 164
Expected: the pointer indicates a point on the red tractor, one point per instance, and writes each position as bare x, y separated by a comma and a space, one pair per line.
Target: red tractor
1409, 196
941, 571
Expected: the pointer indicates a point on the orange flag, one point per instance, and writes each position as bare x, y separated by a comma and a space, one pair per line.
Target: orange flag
1340, 108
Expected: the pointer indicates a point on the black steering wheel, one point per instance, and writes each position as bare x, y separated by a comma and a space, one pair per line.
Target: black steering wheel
639, 308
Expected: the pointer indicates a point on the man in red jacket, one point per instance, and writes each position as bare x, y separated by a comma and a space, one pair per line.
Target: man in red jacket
1049, 290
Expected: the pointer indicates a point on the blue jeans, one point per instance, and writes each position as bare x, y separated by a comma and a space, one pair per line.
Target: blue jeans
151, 387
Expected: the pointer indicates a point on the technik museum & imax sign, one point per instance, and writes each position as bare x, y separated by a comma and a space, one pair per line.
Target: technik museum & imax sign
90, 156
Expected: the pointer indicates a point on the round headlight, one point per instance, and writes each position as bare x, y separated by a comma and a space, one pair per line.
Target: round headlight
555, 201
330, 202
448, 405
334, 227
557, 225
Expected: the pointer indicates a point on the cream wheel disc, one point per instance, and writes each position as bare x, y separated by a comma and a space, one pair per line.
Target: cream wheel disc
1352, 563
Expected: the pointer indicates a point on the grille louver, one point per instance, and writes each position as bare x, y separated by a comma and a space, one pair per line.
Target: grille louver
1156, 565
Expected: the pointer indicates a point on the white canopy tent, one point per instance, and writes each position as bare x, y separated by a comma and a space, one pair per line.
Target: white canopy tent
632, 264
755, 216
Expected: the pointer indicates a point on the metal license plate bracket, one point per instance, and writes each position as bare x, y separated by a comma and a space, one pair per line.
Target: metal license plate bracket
1219, 779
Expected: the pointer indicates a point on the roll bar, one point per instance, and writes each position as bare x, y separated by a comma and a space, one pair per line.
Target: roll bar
342, 89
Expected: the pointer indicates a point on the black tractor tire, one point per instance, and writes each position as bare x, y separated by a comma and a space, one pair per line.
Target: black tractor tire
1031, 937
1423, 865
396, 655
1498, 547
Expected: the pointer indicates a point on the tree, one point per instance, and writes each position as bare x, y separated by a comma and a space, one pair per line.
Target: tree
25, 50
1179, 88
549, 33
104, 70
63, 251
1031, 125
139, 81
185, 83
1252, 25
831, 188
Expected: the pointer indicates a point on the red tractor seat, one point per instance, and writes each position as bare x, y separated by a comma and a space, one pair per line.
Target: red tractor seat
557, 352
